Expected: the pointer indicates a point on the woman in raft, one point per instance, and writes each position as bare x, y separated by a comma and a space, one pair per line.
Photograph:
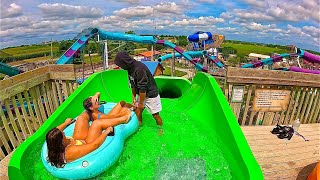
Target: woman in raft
85, 139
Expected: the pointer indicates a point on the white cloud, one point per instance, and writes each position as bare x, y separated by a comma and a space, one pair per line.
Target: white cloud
12, 23
13, 10
65, 11
257, 26
295, 30
207, 1
130, 1
138, 11
252, 15
226, 15
227, 29
159, 10
202, 21
171, 8
311, 30
287, 10
257, 3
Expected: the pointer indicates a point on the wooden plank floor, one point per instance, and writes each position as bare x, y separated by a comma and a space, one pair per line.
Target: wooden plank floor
278, 159
281, 159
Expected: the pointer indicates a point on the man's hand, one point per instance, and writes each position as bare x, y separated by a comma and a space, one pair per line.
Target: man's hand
139, 114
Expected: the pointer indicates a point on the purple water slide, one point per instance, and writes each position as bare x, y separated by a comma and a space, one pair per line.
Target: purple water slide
277, 58
311, 57
160, 41
297, 69
204, 69
69, 52
257, 64
80, 41
178, 49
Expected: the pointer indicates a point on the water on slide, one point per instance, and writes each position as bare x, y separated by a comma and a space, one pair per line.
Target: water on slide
201, 138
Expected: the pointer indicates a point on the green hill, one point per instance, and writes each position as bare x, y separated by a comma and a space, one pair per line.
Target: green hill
246, 49
27, 50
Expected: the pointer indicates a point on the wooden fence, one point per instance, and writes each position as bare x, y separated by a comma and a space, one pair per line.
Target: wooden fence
28, 99
303, 104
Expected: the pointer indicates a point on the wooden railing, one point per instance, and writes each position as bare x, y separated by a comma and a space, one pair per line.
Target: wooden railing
304, 102
28, 99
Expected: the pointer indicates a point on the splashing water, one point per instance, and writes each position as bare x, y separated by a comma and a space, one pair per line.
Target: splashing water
181, 152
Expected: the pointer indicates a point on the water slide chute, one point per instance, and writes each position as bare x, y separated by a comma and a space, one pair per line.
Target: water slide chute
197, 99
267, 61
297, 69
309, 56
9, 70
193, 54
300, 53
200, 36
77, 46
197, 65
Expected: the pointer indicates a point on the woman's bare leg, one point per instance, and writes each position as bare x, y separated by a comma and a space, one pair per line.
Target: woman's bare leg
98, 125
116, 109
82, 127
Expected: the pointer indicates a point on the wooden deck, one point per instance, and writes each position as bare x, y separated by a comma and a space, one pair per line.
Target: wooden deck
278, 159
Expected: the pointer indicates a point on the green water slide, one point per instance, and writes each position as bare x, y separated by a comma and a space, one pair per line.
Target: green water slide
200, 138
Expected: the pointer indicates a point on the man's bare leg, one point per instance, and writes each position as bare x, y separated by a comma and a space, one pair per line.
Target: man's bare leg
158, 119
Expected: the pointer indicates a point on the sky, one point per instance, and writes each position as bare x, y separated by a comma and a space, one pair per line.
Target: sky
284, 22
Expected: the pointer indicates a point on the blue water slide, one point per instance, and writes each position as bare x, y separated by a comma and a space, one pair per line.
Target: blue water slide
9, 70
197, 65
126, 37
193, 54
77, 46
266, 61
200, 36
215, 60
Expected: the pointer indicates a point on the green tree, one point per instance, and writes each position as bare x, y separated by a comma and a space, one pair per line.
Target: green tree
130, 32
226, 51
234, 61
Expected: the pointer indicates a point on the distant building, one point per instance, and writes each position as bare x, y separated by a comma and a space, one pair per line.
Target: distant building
155, 67
146, 56
258, 56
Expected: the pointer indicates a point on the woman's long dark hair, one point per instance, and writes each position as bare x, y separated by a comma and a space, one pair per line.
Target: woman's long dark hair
56, 149
87, 104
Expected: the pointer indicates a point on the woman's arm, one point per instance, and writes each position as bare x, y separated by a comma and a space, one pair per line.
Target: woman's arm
76, 152
62, 126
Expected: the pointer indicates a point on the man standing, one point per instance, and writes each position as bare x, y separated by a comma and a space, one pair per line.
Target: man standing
143, 85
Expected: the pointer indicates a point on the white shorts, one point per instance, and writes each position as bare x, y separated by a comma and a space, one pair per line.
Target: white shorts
153, 105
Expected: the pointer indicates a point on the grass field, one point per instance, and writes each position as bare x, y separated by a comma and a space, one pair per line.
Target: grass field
246, 49
27, 50
167, 72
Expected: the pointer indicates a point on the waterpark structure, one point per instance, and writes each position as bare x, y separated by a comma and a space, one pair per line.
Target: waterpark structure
279, 58
236, 157
214, 146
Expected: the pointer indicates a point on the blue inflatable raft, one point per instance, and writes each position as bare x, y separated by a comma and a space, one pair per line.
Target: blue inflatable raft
99, 160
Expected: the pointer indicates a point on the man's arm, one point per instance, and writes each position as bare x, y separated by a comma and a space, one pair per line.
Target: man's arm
142, 86
134, 94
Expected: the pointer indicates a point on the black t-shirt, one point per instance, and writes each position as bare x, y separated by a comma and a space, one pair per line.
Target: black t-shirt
142, 80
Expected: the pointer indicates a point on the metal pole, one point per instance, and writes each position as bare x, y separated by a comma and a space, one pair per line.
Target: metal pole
81, 56
105, 56
51, 50
173, 65
91, 62
152, 53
